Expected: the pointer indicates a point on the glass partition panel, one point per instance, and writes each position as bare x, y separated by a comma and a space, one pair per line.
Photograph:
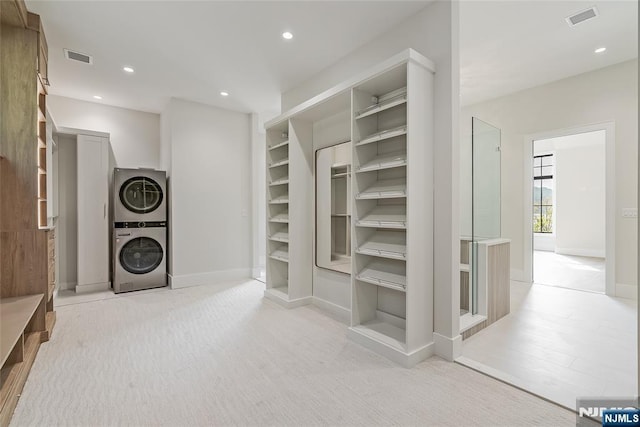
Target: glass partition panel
333, 209
485, 164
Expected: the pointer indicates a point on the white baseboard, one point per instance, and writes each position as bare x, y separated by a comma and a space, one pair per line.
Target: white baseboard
334, 310
210, 278
518, 275
593, 253
68, 286
626, 291
408, 360
448, 348
275, 295
255, 272
93, 287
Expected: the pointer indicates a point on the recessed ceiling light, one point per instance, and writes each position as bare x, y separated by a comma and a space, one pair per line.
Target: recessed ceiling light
97, 97
600, 49
128, 69
287, 35
223, 93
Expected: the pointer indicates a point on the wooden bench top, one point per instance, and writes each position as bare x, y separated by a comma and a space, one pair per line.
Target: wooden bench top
15, 314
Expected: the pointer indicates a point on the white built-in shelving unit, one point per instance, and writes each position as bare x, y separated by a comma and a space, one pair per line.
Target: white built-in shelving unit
392, 289
289, 189
389, 212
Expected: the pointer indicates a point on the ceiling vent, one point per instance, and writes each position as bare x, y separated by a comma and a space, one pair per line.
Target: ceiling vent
580, 17
77, 56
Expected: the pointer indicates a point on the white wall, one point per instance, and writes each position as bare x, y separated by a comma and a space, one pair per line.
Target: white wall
134, 135
67, 225
433, 31
580, 194
210, 187
608, 94
259, 199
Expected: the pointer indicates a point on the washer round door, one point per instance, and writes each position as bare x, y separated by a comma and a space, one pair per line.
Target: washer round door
141, 255
141, 194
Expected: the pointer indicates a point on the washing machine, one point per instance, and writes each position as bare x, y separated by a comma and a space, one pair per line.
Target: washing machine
139, 255
139, 195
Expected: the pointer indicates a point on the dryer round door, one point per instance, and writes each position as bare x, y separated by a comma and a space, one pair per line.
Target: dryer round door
141, 194
141, 255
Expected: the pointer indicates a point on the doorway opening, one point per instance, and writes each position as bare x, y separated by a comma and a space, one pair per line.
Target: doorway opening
568, 215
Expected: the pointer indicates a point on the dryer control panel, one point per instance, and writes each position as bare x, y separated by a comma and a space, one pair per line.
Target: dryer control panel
139, 224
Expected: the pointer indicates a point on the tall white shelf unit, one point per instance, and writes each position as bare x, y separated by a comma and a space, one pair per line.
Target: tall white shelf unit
392, 280
391, 204
289, 192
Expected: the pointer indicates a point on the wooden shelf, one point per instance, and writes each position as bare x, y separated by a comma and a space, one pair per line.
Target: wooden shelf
385, 161
50, 322
51, 290
14, 376
15, 314
382, 135
385, 189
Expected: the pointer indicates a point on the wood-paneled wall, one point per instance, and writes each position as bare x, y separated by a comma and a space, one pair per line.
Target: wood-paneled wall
23, 247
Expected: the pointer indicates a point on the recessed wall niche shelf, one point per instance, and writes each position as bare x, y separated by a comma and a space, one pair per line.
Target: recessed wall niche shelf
390, 108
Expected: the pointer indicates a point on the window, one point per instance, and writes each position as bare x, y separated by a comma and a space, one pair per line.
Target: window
543, 194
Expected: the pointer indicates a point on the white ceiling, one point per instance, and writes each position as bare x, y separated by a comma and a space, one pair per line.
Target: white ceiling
508, 46
195, 49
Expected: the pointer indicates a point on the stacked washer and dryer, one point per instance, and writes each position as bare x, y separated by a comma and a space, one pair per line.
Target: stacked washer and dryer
139, 229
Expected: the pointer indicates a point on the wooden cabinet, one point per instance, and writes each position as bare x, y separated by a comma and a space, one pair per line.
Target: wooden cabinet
93, 206
26, 312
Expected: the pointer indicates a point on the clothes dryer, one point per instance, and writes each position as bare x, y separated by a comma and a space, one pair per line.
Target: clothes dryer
139, 195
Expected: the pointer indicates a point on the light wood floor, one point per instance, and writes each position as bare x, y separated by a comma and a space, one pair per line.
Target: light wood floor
561, 344
222, 355
567, 271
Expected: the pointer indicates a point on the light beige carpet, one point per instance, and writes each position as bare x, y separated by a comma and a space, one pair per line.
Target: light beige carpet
221, 355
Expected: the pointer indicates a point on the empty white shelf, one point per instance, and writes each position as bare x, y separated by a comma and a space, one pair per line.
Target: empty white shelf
382, 135
384, 332
282, 181
391, 216
340, 175
385, 102
385, 189
464, 267
279, 200
383, 274
280, 163
281, 144
281, 236
386, 244
385, 161
281, 254
283, 217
